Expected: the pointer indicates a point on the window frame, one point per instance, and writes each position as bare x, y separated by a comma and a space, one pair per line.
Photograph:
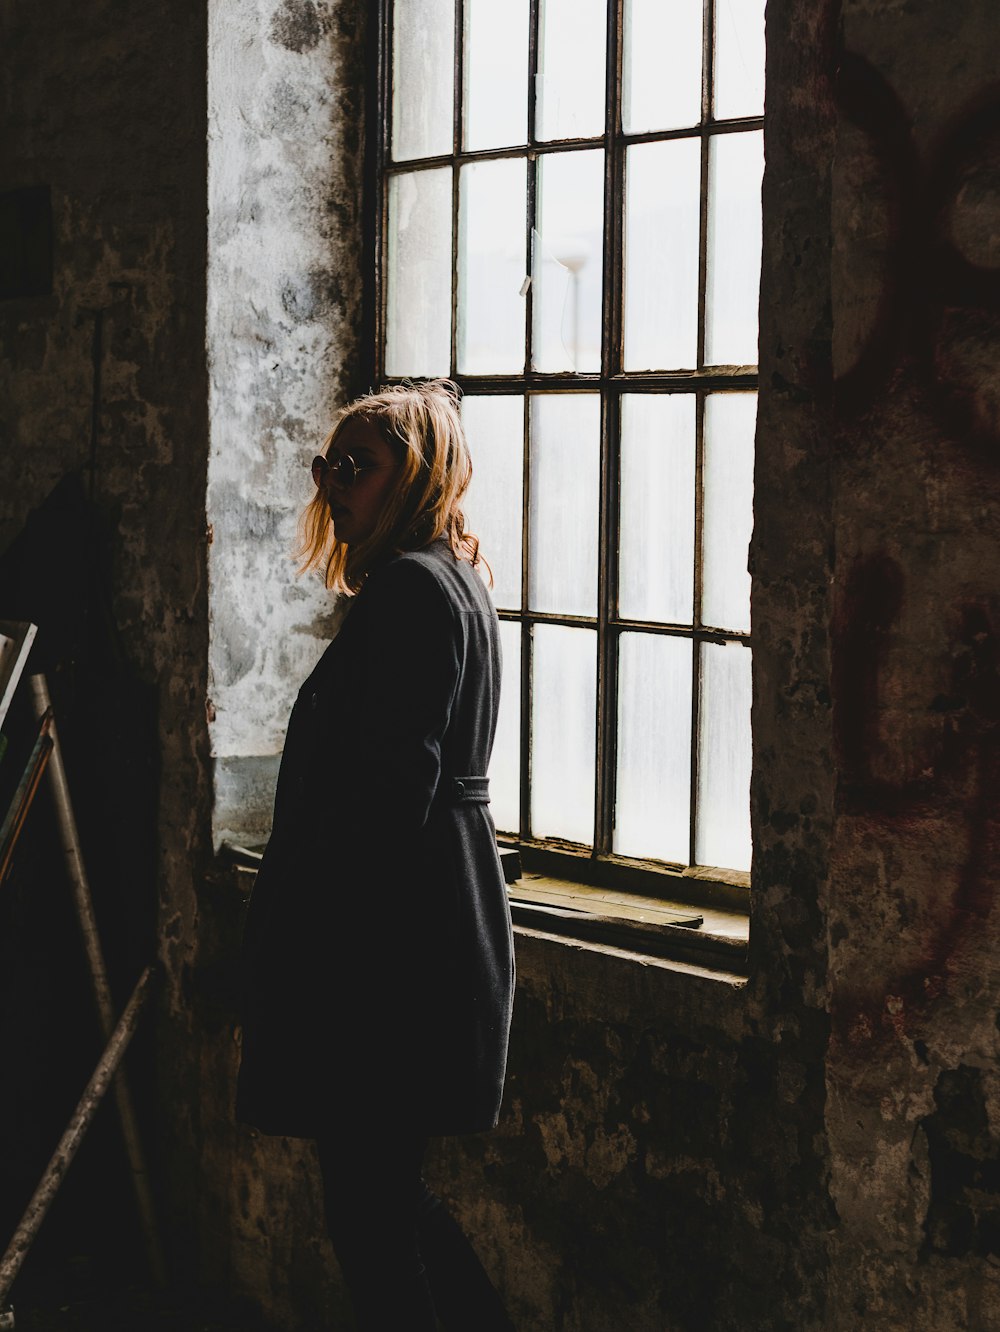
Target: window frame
598, 865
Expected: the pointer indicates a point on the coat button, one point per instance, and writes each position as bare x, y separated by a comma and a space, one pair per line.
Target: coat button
459, 787
314, 701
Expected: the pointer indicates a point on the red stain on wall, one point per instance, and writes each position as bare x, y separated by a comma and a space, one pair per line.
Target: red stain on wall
934, 298
963, 774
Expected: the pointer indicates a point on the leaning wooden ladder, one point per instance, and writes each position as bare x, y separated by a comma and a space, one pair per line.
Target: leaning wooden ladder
46, 756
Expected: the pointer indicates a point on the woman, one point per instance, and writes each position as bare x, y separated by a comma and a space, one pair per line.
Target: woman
379, 959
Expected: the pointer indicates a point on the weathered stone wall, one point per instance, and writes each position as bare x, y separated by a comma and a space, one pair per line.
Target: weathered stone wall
658, 1164
914, 1094
284, 262
109, 111
106, 105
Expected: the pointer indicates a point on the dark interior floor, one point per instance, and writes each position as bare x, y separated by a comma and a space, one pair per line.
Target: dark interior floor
76, 1297
135, 1310
131, 1311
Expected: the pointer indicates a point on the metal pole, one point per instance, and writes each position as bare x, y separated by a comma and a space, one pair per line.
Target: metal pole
99, 977
34, 1215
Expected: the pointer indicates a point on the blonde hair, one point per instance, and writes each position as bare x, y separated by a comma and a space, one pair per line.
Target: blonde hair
422, 426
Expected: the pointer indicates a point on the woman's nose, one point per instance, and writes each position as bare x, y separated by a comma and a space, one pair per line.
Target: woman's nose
329, 479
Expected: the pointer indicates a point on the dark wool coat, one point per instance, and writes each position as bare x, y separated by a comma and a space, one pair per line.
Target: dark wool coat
378, 958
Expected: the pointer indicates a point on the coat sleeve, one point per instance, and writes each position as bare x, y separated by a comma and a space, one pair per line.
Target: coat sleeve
409, 667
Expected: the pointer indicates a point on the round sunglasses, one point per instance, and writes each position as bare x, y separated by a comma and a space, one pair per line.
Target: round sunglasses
342, 469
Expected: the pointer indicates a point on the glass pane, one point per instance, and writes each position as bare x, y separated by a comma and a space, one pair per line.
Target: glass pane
739, 58
418, 300
656, 566
495, 430
567, 262
423, 77
505, 765
563, 515
496, 73
736, 165
491, 267
722, 835
663, 182
662, 70
569, 94
653, 791
730, 419
563, 726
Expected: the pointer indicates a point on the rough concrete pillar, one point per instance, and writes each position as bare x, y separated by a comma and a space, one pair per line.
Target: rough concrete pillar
284, 289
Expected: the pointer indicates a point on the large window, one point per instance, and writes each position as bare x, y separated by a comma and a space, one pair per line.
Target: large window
568, 224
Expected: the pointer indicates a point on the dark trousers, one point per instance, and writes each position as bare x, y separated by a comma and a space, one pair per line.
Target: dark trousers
404, 1258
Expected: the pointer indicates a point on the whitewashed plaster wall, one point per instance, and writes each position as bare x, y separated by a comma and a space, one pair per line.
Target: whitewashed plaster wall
284, 256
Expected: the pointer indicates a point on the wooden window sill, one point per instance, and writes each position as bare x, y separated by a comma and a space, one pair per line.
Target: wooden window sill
712, 938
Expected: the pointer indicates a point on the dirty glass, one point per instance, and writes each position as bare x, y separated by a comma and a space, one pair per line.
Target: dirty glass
655, 568
653, 787
563, 704
494, 427
730, 419
569, 92
505, 763
739, 59
423, 46
606, 345
496, 73
418, 301
491, 267
567, 262
722, 824
563, 511
736, 166
662, 209
662, 65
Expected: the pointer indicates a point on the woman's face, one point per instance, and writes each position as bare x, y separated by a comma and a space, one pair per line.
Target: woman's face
355, 509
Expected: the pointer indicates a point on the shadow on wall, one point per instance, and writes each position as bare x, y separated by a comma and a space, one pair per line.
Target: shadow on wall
55, 574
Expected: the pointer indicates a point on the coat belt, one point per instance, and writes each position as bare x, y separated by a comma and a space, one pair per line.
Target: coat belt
468, 790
